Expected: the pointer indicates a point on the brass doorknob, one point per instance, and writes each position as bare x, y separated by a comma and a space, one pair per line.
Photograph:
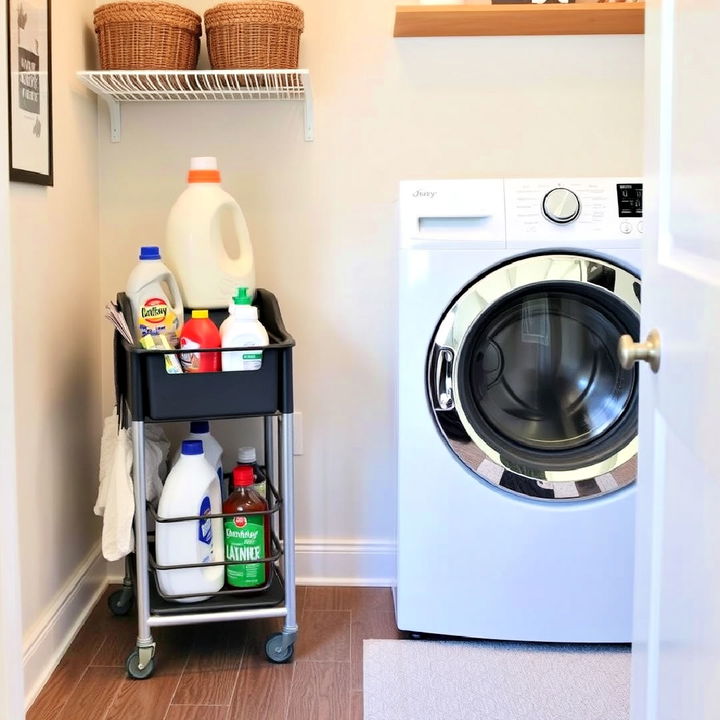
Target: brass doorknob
630, 352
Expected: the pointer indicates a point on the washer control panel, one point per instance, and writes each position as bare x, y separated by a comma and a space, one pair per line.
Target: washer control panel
561, 206
578, 212
629, 197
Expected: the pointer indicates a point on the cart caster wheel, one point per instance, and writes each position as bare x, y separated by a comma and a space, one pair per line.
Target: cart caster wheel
133, 666
121, 602
274, 650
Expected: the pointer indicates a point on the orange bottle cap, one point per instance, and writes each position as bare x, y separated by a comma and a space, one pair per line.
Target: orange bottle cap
204, 176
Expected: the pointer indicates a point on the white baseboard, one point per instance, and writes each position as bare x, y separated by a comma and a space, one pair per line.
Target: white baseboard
50, 636
361, 563
368, 563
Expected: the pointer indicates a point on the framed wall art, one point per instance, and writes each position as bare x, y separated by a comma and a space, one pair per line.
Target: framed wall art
30, 91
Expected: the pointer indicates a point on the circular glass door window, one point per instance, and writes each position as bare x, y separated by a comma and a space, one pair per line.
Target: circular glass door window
532, 382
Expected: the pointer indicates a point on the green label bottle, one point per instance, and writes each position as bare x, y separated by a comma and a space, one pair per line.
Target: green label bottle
246, 536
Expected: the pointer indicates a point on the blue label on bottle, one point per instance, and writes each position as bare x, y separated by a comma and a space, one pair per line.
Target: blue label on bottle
205, 526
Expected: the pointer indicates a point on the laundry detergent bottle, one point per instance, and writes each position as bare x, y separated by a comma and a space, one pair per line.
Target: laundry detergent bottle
242, 328
199, 332
212, 450
155, 297
208, 243
191, 489
247, 537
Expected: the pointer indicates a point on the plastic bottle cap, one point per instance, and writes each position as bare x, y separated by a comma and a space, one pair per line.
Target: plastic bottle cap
200, 314
199, 427
243, 477
247, 455
192, 447
242, 297
150, 252
203, 170
204, 163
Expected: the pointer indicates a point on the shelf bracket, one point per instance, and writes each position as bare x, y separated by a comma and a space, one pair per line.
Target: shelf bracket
309, 109
115, 117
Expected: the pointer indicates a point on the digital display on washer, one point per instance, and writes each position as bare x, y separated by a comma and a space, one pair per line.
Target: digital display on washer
629, 199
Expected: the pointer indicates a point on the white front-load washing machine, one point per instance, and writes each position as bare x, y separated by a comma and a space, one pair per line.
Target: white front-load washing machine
517, 427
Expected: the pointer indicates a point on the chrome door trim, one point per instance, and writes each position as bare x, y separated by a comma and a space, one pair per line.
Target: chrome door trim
573, 267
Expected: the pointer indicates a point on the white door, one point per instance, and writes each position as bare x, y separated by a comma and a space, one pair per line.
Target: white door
676, 663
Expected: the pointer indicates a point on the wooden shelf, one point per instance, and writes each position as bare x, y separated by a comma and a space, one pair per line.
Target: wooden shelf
576, 19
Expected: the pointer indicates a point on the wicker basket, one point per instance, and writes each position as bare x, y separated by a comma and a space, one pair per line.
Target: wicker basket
147, 36
254, 35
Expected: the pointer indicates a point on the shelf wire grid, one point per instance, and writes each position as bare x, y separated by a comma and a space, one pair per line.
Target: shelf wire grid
199, 85
116, 87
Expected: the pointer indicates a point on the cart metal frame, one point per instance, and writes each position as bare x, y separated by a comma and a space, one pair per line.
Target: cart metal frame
142, 392
146, 620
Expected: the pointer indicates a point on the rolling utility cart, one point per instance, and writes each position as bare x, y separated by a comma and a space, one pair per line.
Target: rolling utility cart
148, 393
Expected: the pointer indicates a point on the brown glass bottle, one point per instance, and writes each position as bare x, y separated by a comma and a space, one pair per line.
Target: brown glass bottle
247, 537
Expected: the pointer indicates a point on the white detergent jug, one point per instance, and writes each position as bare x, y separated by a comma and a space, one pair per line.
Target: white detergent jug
155, 297
212, 450
191, 488
208, 243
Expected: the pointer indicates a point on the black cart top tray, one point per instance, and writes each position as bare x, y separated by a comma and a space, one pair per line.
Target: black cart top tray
156, 396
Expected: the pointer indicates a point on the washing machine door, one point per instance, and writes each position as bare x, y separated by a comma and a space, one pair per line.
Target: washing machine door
524, 381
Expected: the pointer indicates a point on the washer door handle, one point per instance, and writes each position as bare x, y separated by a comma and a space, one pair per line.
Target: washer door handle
442, 387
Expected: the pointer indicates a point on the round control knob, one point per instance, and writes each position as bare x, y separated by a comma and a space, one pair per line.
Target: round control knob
561, 205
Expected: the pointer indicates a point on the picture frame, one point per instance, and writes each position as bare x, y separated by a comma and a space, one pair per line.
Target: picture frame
30, 121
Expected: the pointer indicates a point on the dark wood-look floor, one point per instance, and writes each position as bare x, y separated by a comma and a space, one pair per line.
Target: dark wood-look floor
219, 671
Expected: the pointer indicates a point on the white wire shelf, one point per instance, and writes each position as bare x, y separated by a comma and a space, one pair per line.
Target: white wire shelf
121, 86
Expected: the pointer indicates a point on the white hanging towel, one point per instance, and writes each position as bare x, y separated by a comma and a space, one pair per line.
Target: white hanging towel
116, 501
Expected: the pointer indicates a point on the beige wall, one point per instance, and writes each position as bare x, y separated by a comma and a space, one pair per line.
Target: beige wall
56, 297
322, 214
